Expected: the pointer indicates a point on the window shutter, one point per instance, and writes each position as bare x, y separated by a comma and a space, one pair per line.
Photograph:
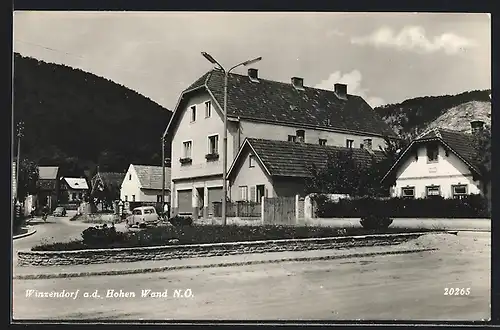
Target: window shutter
253, 196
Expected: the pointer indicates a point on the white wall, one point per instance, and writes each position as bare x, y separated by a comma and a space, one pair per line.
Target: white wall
249, 176
447, 171
279, 132
198, 131
130, 186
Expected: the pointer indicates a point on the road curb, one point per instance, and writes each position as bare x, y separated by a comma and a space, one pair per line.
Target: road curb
29, 233
222, 264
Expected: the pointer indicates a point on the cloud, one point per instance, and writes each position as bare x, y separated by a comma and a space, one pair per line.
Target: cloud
413, 38
353, 82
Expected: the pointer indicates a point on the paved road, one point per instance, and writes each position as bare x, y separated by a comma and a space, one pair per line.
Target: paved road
402, 287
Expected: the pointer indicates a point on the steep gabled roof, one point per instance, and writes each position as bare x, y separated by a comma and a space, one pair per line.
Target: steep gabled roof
292, 159
150, 176
461, 144
281, 103
77, 183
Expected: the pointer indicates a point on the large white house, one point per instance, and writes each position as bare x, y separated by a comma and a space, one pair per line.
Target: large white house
257, 108
143, 184
439, 162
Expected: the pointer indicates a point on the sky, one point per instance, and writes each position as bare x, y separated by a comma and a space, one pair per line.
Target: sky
383, 57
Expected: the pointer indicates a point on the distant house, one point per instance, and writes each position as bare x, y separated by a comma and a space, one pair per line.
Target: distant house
439, 162
73, 189
48, 186
143, 184
274, 168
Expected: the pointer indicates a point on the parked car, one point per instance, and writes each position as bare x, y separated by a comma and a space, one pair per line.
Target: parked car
143, 216
59, 212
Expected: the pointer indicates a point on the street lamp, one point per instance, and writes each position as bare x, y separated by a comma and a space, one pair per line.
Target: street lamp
224, 147
20, 134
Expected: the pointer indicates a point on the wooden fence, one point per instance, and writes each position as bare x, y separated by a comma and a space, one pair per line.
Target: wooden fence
279, 211
239, 209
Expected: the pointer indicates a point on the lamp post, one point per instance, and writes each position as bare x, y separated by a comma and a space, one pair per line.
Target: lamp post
224, 146
20, 132
163, 174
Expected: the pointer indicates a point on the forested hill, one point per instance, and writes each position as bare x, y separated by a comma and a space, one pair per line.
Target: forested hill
77, 120
412, 116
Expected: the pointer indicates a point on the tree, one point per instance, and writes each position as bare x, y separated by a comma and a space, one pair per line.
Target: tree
340, 175
482, 145
28, 177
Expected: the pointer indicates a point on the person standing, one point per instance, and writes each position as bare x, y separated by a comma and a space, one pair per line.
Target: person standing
166, 211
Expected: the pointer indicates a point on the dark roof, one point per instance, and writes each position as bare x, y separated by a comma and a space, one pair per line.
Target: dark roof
279, 102
150, 176
111, 179
292, 159
462, 144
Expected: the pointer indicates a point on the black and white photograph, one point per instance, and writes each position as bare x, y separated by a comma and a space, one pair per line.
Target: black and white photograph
251, 166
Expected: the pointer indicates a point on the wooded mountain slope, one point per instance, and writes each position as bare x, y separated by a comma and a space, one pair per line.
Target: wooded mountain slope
77, 120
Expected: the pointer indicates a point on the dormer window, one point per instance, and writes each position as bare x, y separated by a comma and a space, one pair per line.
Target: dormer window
301, 135
349, 143
432, 152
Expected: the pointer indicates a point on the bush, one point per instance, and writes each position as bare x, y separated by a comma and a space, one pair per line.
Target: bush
178, 221
472, 206
103, 236
375, 222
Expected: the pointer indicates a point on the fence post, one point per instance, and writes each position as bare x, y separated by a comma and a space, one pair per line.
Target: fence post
297, 215
262, 209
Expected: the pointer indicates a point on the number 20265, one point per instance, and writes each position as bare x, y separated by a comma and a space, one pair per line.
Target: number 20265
456, 291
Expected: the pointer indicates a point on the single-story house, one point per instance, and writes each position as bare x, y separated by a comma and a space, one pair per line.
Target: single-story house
74, 189
438, 162
143, 184
274, 168
48, 187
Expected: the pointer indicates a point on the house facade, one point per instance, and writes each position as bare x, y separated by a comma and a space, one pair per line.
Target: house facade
143, 184
48, 187
439, 162
272, 168
257, 108
73, 190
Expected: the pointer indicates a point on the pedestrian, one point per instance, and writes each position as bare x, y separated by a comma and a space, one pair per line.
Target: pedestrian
166, 211
33, 211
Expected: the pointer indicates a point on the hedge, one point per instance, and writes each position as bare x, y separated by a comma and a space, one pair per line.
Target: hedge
471, 206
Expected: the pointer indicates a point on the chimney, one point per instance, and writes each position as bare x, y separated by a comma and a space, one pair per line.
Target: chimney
253, 74
298, 83
476, 126
341, 91
367, 144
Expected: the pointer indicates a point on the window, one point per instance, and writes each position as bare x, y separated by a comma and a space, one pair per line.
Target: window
137, 212
459, 190
208, 109
408, 192
126, 198
193, 113
322, 142
187, 149
133, 198
349, 143
130, 176
158, 198
213, 144
251, 161
433, 191
253, 194
432, 152
301, 135
292, 138
243, 193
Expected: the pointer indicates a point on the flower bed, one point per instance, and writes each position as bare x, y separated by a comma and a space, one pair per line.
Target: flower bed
185, 235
